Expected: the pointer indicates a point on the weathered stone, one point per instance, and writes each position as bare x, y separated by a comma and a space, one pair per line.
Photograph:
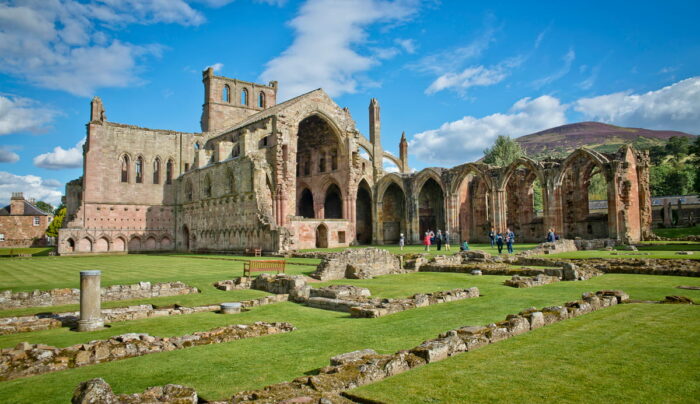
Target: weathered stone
94, 391
351, 356
362, 263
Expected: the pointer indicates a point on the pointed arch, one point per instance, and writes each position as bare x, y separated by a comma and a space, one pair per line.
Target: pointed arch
363, 213
244, 96
125, 167
156, 170
226, 93
261, 100
169, 170
138, 170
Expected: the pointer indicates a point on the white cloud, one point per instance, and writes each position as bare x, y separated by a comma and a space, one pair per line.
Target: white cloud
32, 186
326, 33
390, 167
216, 66
465, 139
61, 158
19, 114
568, 60
408, 45
7, 155
452, 60
675, 107
473, 76
66, 44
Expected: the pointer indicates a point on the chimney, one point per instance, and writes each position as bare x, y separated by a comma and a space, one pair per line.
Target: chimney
17, 204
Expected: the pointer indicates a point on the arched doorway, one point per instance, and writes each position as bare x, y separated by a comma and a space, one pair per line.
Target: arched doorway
322, 236
85, 245
135, 244
333, 203
431, 210
70, 245
393, 214
363, 214
118, 244
101, 245
582, 180
305, 207
150, 244
186, 238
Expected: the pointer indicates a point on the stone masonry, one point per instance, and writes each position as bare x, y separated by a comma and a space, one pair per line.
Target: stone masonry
364, 263
300, 174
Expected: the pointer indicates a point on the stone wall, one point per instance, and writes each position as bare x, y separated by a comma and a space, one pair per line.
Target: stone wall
58, 297
33, 359
359, 368
364, 263
675, 267
391, 306
15, 325
518, 281
98, 391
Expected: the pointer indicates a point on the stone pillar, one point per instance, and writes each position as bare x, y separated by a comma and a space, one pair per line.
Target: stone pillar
667, 213
230, 308
90, 296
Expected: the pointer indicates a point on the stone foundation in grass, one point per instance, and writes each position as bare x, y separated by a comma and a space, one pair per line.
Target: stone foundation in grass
358, 368
362, 263
382, 307
15, 325
518, 281
33, 359
97, 391
59, 297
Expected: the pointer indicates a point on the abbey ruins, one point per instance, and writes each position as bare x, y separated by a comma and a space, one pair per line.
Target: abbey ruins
299, 174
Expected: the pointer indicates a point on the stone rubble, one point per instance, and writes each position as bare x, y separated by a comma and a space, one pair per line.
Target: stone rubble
27, 359
358, 368
518, 281
363, 263
58, 297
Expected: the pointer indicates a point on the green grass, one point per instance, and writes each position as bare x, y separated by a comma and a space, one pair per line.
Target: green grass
35, 251
655, 253
218, 371
64, 272
678, 232
416, 249
613, 356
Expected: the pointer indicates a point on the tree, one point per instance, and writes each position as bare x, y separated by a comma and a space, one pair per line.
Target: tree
46, 207
56, 224
678, 146
503, 152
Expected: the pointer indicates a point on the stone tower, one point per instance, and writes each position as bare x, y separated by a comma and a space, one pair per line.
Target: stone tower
403, 153
375, 136
230, 101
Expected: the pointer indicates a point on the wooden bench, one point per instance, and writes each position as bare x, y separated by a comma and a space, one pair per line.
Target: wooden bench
256, 252
263, 266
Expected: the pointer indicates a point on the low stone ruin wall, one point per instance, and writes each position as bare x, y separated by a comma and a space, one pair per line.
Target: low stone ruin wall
97, 391
33, 359
359, 368
356, 301
58, 297
675, 267
518, 281
383, 307
361, 263
15, 325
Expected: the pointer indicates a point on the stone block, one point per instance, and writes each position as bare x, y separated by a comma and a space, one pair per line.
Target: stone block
351, 356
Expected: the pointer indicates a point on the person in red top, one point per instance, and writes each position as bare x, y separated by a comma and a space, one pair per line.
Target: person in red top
426, 241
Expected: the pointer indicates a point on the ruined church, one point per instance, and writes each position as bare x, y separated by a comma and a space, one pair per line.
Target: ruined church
299, 174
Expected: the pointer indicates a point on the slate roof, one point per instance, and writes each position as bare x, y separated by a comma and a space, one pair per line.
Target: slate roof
29, 210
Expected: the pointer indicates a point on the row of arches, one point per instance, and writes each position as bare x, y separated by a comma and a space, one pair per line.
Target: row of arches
139, 170
244, 96
89, 244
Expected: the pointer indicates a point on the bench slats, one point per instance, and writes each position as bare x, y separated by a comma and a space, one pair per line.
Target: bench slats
263, 265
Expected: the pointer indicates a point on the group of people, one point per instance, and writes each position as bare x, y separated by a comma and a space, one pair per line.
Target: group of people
439, 239
498, 239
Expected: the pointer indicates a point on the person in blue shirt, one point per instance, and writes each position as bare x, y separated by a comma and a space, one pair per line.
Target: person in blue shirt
492, 236
464, 246
510, 239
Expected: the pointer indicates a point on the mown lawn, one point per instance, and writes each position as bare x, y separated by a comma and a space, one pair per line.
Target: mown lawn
678, 232
35, 251
218, 371
626, 354
416, 249
64, 272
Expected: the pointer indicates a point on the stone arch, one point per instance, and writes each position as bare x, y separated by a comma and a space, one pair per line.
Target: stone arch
169, 170
392, 215
102, 244
335, 128
431, 205
245, 96
85, 244
135, 243
261, 99
425, 175
119, 244
523, 183
322, 236
528, 163
226, 93
386, 181
150, 244
70, 245
186, 237
470, 190
333, 202
363, 213
593, 156
125, 167
305, 203
139, 169
156, 170
393, 159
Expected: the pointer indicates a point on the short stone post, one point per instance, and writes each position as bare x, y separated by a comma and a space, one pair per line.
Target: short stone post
230, 308
90, 297
667, 213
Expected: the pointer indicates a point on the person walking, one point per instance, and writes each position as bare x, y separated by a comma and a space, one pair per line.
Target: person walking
402, 241
499, 242
510, 239
438, 240
492, 236
426, 241
447, 240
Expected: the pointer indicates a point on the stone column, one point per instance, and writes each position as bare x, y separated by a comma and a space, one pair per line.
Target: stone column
90, 296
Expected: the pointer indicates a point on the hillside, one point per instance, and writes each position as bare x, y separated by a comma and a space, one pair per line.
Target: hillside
599, 136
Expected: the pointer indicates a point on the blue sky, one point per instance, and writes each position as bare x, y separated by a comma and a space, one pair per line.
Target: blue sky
452, 74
